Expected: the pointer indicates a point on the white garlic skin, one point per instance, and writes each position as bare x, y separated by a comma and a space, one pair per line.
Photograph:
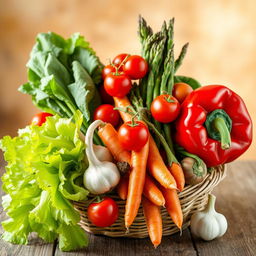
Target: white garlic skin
102, 153
100, 176
99, 180
208, 224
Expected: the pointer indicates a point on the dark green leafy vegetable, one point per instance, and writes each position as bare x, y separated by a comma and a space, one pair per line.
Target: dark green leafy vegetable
188, 80
83, 89
62, 76
44, 172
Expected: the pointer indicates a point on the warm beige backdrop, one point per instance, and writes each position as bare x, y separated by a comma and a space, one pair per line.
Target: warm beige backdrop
222, 36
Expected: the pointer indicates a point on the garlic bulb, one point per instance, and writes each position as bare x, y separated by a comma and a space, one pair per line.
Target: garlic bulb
101, 176
208, 224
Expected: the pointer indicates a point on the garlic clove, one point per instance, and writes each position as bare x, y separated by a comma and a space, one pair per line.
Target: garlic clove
222, 221
102, 153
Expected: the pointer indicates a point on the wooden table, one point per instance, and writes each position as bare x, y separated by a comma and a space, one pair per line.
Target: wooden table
236, 199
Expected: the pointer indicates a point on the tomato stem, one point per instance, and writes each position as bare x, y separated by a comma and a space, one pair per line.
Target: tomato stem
134, 123
169, 99
116, 73
123, 61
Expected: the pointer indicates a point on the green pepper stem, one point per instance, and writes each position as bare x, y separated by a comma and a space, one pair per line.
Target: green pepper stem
221, 127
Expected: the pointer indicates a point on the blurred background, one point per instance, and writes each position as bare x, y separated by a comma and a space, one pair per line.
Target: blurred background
221, 34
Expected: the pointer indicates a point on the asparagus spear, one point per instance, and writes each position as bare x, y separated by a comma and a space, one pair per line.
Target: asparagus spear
148, 53
158, 50
144, 30
179, 60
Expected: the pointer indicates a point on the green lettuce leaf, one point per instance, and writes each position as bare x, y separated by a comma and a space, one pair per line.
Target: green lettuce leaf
44, 172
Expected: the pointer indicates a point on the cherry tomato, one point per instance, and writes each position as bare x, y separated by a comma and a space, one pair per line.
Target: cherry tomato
117, 85
104, 213
181, 91
119, 59
165, 108
107, 70
133, 136
135, 67
40, 118
105, 97
107, 114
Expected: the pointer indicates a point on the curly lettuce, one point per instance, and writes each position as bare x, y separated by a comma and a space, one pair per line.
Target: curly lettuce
44, 173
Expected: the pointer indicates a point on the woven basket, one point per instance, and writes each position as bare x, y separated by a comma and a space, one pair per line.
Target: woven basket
192, 198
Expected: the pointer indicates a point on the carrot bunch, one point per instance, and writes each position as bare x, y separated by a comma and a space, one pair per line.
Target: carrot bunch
149, 181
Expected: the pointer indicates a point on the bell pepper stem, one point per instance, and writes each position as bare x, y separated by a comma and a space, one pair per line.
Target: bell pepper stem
221, 127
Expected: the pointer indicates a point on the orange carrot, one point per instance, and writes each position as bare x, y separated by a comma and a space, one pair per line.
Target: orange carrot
172, 204
123, 103
178, 175
136, 184
109, 136
154, 221
157, 168
152, 192
156, 164
122, 187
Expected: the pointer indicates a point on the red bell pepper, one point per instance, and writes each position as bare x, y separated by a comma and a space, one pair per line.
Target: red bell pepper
214, 124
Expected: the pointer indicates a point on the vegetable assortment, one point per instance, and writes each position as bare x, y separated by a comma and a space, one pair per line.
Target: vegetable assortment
160, 131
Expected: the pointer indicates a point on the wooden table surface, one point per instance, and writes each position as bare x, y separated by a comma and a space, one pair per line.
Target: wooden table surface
236, 199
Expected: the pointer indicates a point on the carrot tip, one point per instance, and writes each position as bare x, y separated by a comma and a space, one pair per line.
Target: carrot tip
127, 230
180, 231
156, 245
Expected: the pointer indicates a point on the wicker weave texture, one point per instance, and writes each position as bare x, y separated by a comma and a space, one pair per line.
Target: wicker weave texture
192, 198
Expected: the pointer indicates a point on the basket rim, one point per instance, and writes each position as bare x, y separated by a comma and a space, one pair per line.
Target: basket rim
193, 198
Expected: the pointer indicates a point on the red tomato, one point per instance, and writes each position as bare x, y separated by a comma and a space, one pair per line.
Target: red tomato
133, 137
165, 108
107, 114
135, 67
107, 70
105, 97
181, 91
40, 118
117, 85
104, 213
119, 59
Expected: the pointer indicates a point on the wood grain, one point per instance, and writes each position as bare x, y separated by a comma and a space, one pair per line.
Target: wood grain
236, 199
175, 245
